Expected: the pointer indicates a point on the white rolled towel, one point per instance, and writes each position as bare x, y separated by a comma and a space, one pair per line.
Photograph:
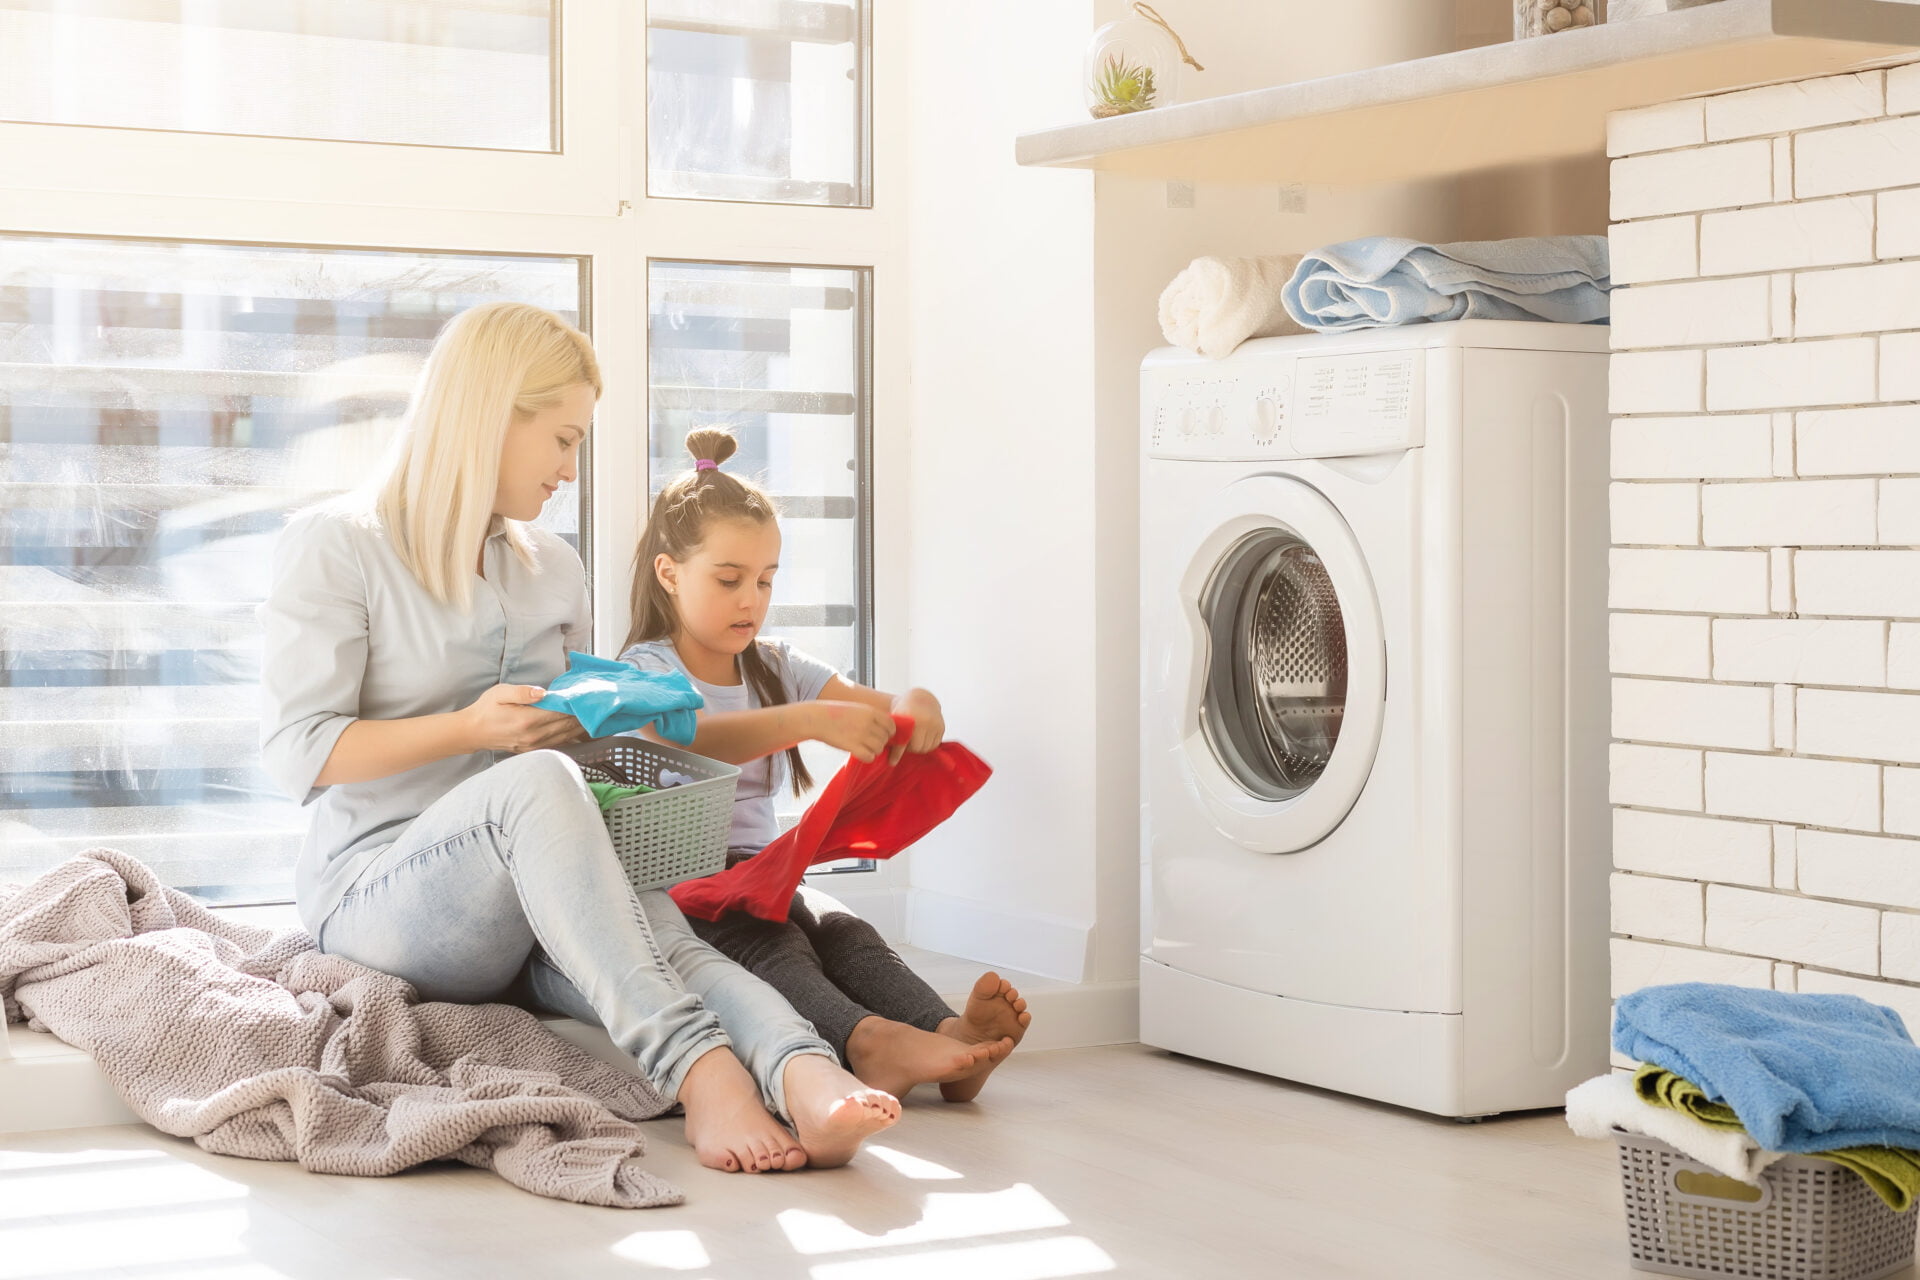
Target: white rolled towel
1218, 303
1594, 1108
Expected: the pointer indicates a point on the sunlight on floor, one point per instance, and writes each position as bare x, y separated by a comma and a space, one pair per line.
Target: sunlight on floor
946, 1216
910, 1166
669, 1250
1032, 1260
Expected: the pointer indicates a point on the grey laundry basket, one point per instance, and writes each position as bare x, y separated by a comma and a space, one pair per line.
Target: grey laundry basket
677, 831
1812, 1220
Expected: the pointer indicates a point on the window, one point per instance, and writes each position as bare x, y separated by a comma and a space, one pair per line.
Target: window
164, 406
440, 73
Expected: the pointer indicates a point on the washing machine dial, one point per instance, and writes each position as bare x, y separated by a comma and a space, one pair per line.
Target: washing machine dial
1266, 418
1215, 420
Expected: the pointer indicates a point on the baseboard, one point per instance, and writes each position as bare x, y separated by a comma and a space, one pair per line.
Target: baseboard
1052, 946
49, 1084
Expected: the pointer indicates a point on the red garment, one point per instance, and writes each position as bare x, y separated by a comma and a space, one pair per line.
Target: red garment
871, 810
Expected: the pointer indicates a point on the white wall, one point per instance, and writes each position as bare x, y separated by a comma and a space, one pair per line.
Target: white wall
1767, 482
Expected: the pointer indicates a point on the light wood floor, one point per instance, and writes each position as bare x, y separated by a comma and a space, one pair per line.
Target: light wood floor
1119, 1160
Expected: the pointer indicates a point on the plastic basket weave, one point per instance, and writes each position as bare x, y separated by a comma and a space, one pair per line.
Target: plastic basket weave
1812, 1220
677, 831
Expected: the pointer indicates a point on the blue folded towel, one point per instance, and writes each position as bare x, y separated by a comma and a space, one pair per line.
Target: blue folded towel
1803, 1071
612, 697
1383, 280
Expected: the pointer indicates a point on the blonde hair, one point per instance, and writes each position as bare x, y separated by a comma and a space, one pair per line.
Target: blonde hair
677, 527
490, 365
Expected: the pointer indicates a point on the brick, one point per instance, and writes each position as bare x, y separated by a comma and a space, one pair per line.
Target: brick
1664, 514
1657, 382
1782, 443
1868, 726
1903, 800
1659, 644
1786, 856
1856, 442
1899, 509
1780, 579
1639, 964
1697, 313
1692, 848
1657, 777
1903, 656
1652, 907
1690, 581
1827, 793
1672, 124
1817, 233
1701, 715
1784, 375
1855, 157
1800, 651
1875, 869
1724, 176
1904, 1001
1655, 249
1856, 300
1733, 446
1793, 513
1803, 930
1780, 309
1785, 976
1804, 104
1903, 89
1783, 716
1899, 364
1782, 170
1900, 945
1897, 223
1860, 584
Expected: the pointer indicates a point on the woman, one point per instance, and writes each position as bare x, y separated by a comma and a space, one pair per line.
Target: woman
407, 631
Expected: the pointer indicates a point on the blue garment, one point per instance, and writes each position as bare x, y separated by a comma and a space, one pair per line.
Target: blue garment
1803, 1071
1384, 280
611, 697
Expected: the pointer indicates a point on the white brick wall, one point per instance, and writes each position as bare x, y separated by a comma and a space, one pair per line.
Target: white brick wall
1765, 581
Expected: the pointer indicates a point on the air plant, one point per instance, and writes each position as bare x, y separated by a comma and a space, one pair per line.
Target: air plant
1120, 86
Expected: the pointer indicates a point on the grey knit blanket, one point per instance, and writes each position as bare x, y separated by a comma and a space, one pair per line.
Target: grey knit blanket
254, 1044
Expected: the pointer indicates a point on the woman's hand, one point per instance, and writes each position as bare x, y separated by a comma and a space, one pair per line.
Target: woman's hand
854, 727
929, 725
503, 719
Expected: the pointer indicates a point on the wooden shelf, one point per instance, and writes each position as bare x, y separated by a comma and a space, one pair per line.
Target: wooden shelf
1544, 98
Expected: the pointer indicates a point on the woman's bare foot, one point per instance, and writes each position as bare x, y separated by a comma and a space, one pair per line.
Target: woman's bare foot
995, 1014
895, 1057
833, 1113
727, 1123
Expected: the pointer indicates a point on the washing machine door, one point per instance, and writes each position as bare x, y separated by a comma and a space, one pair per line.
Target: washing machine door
1284, 661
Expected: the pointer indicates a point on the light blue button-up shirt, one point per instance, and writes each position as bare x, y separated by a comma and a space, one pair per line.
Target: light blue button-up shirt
350, 634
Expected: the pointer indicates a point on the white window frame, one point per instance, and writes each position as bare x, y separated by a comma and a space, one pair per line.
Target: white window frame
588, 200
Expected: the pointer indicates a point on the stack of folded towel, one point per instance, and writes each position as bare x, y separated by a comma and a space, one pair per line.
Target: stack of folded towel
1218, 303
1735, 1078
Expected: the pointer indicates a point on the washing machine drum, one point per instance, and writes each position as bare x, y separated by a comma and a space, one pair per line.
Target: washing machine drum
1277, 683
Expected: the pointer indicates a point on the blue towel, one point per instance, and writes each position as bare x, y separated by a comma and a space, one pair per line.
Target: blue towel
614, 697
1803, 1071
1382, 280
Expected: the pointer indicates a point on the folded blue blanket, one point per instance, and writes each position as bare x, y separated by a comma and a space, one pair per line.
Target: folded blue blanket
1803, 1071
1384, 280
612, 697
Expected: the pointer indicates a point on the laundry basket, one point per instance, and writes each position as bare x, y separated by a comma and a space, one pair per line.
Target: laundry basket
676, 832
1807, 1220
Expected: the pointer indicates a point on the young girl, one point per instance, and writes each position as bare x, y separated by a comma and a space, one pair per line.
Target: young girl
702, 582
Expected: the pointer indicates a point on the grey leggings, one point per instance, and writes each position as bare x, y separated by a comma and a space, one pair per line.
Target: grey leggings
832, 966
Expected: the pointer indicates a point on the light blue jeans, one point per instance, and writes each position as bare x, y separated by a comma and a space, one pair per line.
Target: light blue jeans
514, 866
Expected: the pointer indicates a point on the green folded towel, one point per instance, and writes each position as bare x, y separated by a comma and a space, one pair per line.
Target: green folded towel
607, 793
1892, 1172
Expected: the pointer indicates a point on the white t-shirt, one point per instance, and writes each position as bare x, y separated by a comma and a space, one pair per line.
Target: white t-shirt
802, 677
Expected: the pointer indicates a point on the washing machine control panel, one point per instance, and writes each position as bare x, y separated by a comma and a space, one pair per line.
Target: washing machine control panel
1286, 406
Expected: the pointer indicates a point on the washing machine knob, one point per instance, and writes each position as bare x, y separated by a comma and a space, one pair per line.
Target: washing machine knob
1266, 419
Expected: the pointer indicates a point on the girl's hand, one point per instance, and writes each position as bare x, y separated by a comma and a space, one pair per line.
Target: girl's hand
854, 727
502, 719
929, 725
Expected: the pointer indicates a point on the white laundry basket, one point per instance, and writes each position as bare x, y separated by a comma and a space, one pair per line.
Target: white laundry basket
676, 832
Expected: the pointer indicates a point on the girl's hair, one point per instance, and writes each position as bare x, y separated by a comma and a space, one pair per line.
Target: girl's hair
683, 513
490, 365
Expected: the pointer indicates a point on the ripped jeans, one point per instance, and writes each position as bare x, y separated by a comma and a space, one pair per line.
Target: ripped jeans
513, 869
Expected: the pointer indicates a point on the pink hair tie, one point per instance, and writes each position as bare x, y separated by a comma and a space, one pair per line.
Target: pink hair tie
706, 464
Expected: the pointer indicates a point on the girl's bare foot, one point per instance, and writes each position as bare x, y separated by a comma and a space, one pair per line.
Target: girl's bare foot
895, 1057
727, 1123
832, 1111
995, 1014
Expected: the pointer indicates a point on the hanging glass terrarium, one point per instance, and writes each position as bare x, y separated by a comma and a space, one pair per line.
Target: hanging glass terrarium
1133, 64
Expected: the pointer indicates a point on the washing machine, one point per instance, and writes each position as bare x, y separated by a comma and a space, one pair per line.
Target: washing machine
1374, 711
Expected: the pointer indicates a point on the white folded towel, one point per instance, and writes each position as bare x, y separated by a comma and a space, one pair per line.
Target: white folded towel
1218, 303
1596, 1108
